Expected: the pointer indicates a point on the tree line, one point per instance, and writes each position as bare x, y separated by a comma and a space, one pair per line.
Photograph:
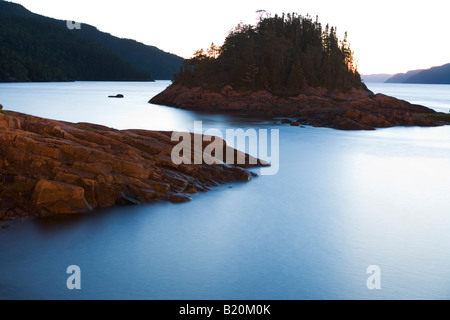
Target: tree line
37, 48
282, 54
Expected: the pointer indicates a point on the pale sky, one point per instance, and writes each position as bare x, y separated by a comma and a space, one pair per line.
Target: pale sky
387, 36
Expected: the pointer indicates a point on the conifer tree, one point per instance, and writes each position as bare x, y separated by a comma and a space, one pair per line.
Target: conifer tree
281, 54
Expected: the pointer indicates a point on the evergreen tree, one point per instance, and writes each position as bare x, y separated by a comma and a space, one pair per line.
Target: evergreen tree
281, 54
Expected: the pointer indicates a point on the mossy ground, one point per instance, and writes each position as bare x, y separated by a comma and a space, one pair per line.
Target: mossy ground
439, 116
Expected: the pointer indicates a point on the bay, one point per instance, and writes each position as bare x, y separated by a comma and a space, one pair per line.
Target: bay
341, 202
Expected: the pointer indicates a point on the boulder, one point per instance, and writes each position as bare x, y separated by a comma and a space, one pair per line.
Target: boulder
226, 90
348, 124
60, 198
9, 122
180, 198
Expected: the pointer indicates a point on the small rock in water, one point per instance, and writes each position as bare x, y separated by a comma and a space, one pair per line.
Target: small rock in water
180, 198
295, 124
286, 121
117, 96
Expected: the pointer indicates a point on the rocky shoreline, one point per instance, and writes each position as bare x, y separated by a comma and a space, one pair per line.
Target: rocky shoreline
52, 167
352, 110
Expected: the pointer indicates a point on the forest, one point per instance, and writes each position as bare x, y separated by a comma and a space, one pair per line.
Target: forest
161, 65
38, 48
281, 54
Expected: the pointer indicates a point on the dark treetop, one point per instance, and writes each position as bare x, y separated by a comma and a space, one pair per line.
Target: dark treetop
281, 54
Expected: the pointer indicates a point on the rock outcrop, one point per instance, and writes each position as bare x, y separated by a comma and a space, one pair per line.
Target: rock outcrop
352, 110
51, 167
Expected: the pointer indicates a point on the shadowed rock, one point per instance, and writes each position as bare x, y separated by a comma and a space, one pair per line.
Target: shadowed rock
352, 110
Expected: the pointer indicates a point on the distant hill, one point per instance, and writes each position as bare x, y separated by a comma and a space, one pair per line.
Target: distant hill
403, 77
37, 48
436, 75
161, 65
377, 78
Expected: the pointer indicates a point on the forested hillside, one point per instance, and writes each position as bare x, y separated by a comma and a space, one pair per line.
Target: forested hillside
435, 75
402, 77
161, 65
37, 48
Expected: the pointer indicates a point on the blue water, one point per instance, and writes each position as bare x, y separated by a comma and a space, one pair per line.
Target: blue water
435, 96
342, 201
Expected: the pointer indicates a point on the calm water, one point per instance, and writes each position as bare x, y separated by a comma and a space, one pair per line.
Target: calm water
341, 202
433, 96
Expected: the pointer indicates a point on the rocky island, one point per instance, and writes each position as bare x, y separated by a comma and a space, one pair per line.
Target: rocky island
289, 66
51, 167
352, 110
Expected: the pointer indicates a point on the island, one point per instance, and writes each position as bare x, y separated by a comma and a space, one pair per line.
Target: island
50, 167
289, 66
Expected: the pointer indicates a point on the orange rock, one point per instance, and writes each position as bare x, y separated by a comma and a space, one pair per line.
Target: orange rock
60, 198
62, 168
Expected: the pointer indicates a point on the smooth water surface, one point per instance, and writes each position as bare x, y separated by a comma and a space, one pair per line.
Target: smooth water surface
342, 201
89, 102
435, 96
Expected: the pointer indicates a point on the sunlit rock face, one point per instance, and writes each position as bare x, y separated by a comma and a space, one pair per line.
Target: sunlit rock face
52, 167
